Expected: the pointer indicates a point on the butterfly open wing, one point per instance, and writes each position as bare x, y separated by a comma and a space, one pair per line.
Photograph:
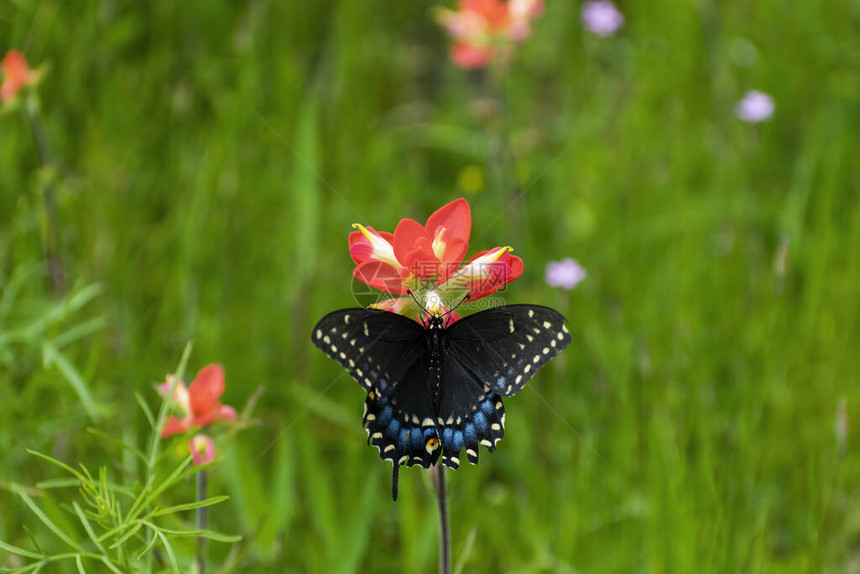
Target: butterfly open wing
378, 348
505, 346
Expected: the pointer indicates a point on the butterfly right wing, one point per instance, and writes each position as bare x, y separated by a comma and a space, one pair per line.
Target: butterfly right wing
378, 348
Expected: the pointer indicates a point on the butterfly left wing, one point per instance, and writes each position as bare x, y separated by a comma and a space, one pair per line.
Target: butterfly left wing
378, 348
505, 346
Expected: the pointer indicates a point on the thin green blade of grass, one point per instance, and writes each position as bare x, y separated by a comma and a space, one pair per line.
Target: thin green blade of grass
51, 356
167, 548
47, 521
59, 463
210, 534
188, 506
87, 526
19, 551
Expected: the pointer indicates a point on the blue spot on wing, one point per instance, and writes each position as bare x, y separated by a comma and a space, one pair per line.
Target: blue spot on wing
469, 432
500, 382
393, 428
385, 415
487, 407
448, 437
458, 440
417, 439
403, 441
480, 421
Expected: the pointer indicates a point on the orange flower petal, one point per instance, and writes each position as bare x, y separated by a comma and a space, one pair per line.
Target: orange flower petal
205, 389
174, 425
380, 276
407, 233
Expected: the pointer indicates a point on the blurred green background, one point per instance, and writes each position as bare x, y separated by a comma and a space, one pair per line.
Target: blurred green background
211, 156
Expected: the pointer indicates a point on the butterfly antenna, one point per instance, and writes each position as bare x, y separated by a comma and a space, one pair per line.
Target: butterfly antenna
420, 306
414, 298
463, 300
394, 480
448, 314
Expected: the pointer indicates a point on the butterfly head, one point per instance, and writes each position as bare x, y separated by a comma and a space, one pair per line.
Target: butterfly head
436, 316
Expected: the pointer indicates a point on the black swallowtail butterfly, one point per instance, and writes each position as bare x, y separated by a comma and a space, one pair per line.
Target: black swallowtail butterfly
436, 389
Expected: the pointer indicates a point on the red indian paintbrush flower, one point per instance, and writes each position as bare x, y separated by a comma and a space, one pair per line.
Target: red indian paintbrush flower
482, 28
426, 259
16, 75
198, 403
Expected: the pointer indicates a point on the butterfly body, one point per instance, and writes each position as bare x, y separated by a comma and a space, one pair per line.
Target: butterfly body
435, 389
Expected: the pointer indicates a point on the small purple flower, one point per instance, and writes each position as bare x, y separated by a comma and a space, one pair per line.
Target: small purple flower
755, 107
602, 17
566, 273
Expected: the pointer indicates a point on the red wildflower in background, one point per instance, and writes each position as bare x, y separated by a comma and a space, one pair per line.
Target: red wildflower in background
199, 402
482, 28
426, 259
16, 75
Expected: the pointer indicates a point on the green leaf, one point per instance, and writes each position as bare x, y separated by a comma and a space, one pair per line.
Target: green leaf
87, 526
168, 548
51, 356
59, 463
147, 412
78, 331
188, 506
45, 520
176, 476
19, 551
211, 535
58, 483
110, 565
135, 527
148, 546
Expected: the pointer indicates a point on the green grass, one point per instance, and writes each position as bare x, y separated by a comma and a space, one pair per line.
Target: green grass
214, 154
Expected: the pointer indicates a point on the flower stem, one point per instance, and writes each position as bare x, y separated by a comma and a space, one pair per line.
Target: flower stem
444, 527
201, 522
